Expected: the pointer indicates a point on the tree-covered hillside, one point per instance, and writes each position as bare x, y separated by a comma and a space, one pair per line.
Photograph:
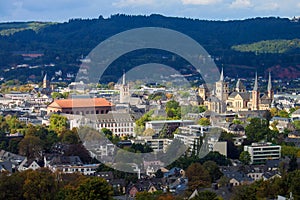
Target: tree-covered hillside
270, 46
65, 43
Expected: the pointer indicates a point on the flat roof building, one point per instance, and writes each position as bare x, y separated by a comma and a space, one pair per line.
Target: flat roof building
260, 152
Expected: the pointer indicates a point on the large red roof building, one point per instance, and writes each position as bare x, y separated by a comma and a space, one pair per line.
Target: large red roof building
80, 106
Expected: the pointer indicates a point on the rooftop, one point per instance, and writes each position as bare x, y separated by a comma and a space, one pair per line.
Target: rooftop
79, 103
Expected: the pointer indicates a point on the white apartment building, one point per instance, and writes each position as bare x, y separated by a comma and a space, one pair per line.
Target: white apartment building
208, 144
157, 144
260, 152
196, 130
121, 124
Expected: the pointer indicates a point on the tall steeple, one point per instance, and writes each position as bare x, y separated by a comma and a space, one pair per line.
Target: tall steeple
255, 88
222, 91
45, 82
124, 90
240, 86
270, 82
255, 95
222, 75
270, 90
124, 78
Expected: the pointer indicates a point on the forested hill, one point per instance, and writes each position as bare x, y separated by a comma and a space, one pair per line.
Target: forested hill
65, 42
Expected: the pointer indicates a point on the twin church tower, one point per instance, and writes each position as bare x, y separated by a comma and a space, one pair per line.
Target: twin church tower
222, 100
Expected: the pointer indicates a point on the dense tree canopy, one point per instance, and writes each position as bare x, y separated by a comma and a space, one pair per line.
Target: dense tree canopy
43, 184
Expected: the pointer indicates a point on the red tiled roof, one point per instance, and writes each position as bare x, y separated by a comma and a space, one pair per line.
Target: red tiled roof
80, 103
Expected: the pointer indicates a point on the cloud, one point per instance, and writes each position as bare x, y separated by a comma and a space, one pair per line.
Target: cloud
133, 3
200, 2
241, 4
270, 6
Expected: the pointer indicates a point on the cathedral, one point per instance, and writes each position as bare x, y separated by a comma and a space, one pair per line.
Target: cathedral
221, 100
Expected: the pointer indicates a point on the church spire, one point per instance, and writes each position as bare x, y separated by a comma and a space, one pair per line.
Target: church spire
270, 89
270, 82
45, 82
255, 88
124, 78
222, 75
255, 95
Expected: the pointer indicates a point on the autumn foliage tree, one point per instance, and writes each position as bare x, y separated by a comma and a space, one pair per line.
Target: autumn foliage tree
31, 147
198, 176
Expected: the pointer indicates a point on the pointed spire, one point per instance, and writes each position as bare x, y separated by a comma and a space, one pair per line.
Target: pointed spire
222, 75
240, 86
255, 88
45, 77
270, 82
124, 78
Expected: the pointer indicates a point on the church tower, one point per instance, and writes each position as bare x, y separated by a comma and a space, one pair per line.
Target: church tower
255, 95
240, 87
270, 89
124, 90
45, 82
222, 88
203, 91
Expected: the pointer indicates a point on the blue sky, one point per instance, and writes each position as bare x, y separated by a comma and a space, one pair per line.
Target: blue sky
62, 10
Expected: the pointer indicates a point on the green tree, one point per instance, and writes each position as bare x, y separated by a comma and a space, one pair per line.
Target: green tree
173, 109
58, 123
213, 170
148, 195
149, 132
289, 151
93, 188
56, 95
198, 176
237, 121
31, 147
244, 192
297, 124
257, 130
11, 185
70, 137
217, 158
245, 158
206, 195
283, 113
39, 185
204, 122
274, 112
293, 165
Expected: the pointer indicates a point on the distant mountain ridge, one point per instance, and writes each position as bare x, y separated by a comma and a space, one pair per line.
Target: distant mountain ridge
65, 43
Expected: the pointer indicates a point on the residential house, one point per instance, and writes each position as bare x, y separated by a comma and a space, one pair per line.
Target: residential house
27, 164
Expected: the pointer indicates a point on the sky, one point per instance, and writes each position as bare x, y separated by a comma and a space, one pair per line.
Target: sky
63, 10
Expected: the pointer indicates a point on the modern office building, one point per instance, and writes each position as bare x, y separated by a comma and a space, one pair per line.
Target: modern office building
260, 152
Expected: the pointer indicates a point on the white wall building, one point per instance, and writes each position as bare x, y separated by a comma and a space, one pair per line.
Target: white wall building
121, 124
260, 152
